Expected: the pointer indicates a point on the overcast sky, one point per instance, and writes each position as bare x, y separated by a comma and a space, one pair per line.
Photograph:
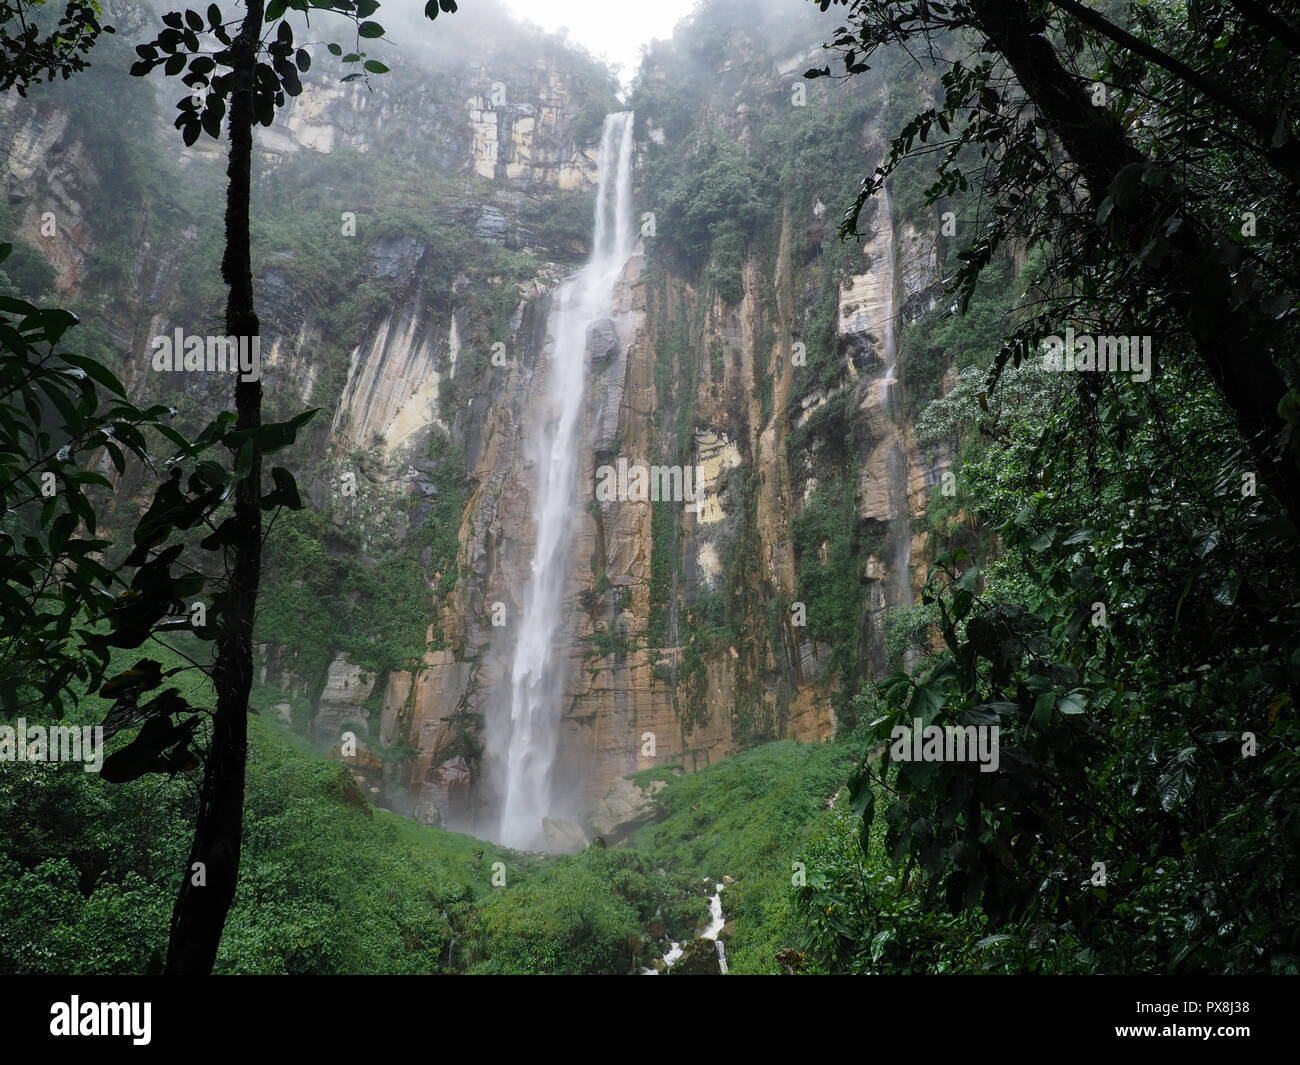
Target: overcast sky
615, 30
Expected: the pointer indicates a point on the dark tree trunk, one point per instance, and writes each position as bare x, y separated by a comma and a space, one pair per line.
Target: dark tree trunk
1234, 339
200, 912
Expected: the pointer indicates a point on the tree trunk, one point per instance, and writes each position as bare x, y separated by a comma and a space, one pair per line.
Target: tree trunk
201, 908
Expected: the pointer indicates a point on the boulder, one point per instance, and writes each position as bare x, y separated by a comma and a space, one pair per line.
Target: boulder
564, 837
624, 805
699, 958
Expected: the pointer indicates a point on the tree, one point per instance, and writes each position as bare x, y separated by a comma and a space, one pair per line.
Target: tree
59, 412
26, 55
1126, 178
255, 88
1136, 640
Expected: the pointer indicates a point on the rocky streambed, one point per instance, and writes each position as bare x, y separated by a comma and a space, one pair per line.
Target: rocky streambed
703, 956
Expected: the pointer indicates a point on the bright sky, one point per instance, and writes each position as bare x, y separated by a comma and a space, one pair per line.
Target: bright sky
615, 30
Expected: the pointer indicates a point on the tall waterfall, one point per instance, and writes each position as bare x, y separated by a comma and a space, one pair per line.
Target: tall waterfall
531, 735
900, 591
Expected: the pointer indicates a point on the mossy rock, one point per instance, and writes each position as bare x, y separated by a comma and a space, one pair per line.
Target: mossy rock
699, 958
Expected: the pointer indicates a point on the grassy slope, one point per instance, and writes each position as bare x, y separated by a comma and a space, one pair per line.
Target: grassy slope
748, 817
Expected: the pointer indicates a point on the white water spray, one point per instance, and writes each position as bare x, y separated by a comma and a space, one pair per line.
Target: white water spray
888, 341
711, 931
896, 459
536, 681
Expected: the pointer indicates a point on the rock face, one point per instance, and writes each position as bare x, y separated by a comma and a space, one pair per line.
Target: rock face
342, 700
564, 837
623, 806
514, 141
675, 376
392, 386
630, 704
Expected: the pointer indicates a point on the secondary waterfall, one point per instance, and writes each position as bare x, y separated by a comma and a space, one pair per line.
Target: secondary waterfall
888, 340
711, 931
896, 460
536, 686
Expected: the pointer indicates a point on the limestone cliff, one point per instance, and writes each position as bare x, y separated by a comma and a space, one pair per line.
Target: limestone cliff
760, 355
677, 373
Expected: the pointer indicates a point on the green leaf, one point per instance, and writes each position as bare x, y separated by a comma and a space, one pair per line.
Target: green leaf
1205, 541
370, 29
224, 535
376, 67
1075, 702
879, 942
285, 493
54, 322
97, 372
143, 676
213, 115
152, 751
961, 604
1226, 593
275, 435
90, 477
1082, 578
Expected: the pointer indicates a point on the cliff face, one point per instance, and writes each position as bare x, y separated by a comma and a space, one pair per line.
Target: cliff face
688, 631
677, 373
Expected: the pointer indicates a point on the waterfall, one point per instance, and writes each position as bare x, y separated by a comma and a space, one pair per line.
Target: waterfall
888, 341
900, 529
531, 734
